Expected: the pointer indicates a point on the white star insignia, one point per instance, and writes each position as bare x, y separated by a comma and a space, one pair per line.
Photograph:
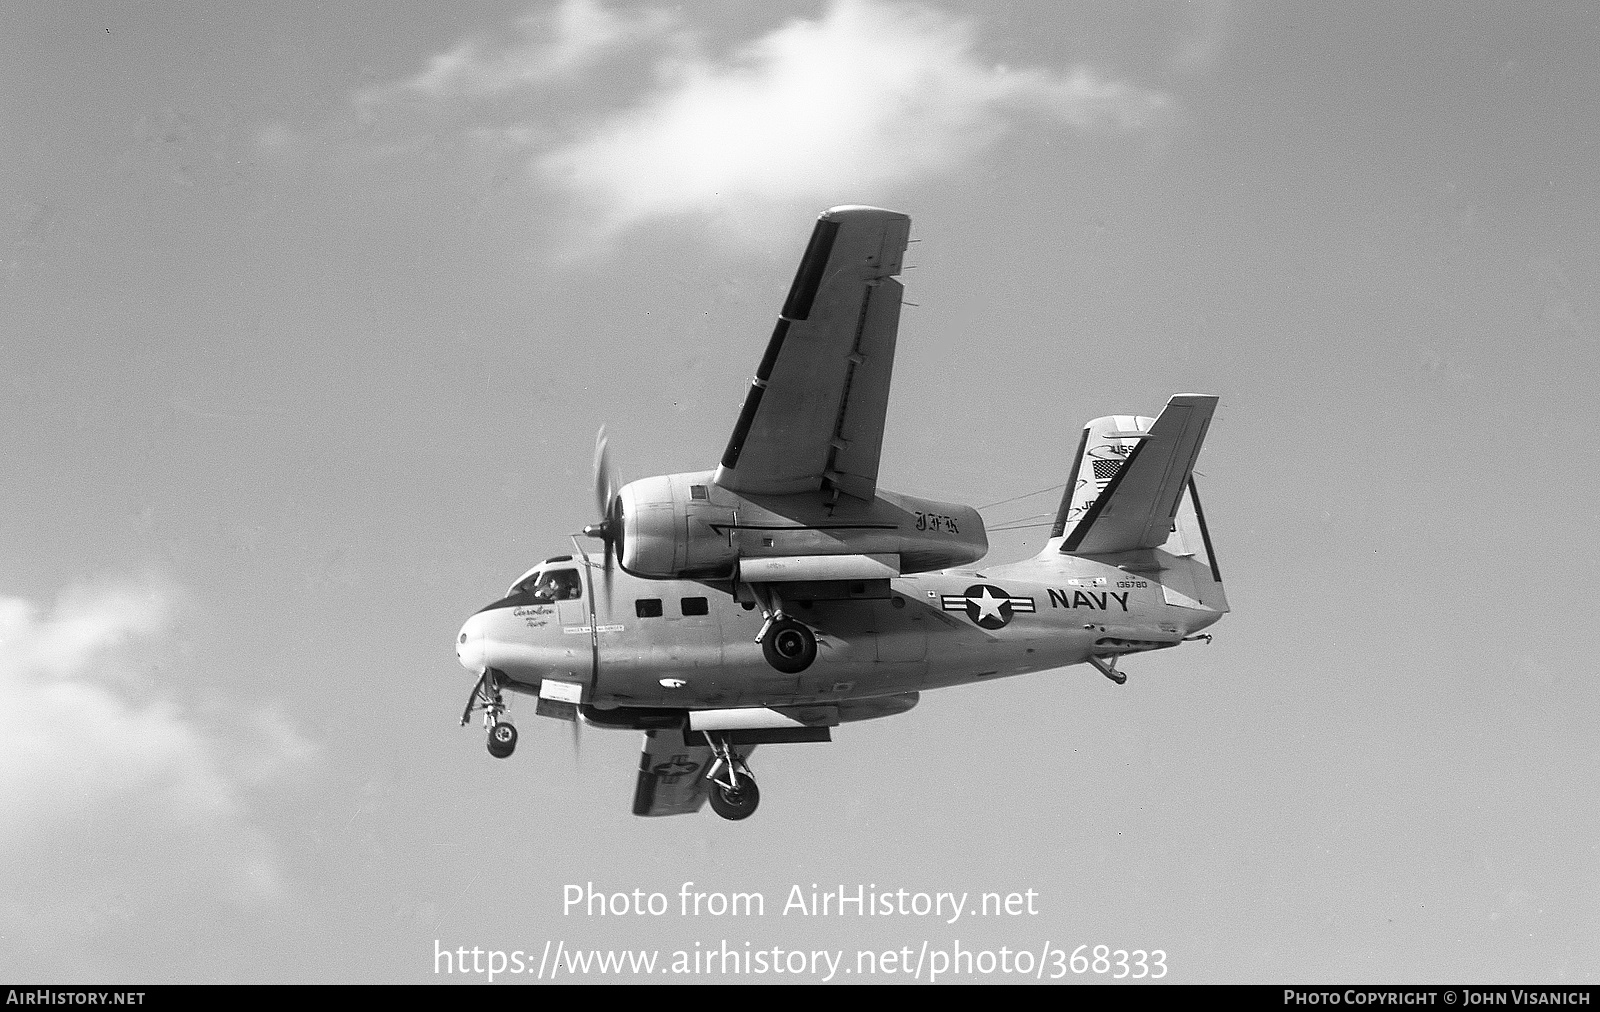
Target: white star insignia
988, 605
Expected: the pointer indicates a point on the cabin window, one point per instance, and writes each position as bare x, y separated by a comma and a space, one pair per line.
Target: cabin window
647, 607
698, 492
695, 606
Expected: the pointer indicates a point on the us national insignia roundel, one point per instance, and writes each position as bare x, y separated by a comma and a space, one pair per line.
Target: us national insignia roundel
988, 606
675, 768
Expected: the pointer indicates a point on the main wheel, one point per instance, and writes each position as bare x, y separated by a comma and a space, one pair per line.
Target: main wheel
789, 646
502, 740
737, 804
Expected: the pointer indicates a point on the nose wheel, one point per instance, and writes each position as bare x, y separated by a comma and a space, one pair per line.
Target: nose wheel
733, 792
502, 739
486, 696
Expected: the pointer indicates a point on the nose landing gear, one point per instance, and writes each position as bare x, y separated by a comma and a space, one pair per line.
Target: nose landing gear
502, 739
486, 696
733, 794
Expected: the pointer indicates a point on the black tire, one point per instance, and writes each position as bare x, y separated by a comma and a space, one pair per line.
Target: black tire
736, 805
502, 740
789, 646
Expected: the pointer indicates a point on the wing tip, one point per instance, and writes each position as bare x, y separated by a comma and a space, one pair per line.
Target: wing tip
841, 212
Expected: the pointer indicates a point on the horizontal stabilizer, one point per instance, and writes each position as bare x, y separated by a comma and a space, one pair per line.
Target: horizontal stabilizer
1129, 479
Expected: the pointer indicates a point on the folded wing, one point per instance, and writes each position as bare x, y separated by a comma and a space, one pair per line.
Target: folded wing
672, 775
813, 418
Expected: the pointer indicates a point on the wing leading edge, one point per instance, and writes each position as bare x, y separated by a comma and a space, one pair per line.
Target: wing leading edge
1137, 506
813, 417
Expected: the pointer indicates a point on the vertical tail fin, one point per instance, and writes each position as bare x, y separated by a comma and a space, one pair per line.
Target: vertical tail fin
1131, 501
1136, 475
1106, 444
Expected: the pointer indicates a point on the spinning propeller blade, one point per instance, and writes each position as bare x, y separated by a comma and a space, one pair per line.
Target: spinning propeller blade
605, 475
606, 489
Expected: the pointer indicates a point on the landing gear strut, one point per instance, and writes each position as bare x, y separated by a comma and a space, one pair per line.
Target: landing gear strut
788, 645
486, 696
733, 794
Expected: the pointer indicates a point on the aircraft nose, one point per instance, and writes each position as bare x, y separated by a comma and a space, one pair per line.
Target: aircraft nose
469, 645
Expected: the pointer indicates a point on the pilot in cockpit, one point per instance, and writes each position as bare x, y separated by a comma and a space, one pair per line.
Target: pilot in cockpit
558, 585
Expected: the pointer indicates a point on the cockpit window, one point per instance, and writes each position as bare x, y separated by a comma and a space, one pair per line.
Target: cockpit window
555, 585
567, 585
542, 587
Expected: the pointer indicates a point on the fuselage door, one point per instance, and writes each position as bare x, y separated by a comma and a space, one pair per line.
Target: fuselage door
576, 618
571, 604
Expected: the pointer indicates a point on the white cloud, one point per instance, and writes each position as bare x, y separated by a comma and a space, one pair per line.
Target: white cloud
554, 45
86, 740
821, 110
866, 95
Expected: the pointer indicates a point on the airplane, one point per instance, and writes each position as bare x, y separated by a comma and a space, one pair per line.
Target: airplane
782, 593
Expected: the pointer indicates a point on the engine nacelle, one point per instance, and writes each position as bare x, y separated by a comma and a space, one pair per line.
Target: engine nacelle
683, 525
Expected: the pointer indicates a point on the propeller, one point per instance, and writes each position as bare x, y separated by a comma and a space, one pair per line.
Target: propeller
605, 475
607, 504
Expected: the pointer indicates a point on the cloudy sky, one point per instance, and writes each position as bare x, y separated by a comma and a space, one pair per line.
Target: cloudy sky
309, 313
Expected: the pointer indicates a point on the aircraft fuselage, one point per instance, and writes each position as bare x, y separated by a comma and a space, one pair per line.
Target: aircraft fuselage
686, 644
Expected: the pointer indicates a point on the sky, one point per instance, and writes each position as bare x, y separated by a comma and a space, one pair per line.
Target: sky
309, 315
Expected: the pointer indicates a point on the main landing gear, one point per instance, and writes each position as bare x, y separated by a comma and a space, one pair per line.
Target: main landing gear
788, 645
486, 696
733, 793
